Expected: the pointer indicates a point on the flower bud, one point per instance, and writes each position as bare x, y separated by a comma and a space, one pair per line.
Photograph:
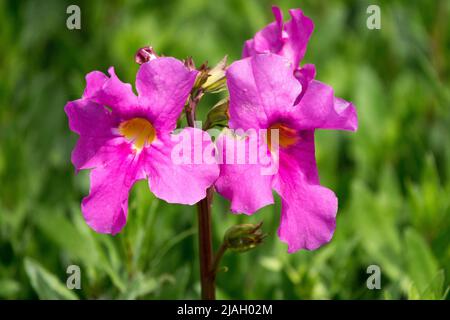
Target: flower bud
244, 237
218, 115
202, 75
144, 55
216, 81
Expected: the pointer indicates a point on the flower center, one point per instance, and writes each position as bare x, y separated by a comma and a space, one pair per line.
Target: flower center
139, 131
286, 135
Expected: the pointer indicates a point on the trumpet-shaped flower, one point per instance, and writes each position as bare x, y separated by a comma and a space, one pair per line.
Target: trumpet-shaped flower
125, 137
266, 95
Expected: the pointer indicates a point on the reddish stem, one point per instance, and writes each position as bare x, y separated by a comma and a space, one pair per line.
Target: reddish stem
207, 274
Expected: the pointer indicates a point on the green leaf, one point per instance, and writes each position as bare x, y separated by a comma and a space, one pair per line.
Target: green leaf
46, 285
374, 215
9, 288
435, 288
145, 284
420, 262
61, 230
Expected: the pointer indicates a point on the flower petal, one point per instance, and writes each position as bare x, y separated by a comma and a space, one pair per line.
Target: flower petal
163, 85
301, 156
94, 82
288, 40
88, 118
249, 49
299, 30
268, 39
262, 88
247, 185
308, 210
110, 92
320, 109
182, 166
308, 217
105, 209
93, 123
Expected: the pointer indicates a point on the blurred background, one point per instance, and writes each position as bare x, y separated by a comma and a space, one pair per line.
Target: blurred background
392, 177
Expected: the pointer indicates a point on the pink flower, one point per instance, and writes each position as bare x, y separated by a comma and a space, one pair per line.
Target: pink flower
286, 39
265, 94
125, 138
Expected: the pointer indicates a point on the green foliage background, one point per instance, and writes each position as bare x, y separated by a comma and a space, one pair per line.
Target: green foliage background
392, 177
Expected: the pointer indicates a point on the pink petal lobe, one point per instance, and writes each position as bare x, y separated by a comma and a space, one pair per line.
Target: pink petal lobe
94, 125
105, 209
320, 109
288, 40
268, 39
180, 167
163, 85
94, 82
246, 183
305, 75
299, 30
110, 92
308, 212
278, 14
262, 88
248, 49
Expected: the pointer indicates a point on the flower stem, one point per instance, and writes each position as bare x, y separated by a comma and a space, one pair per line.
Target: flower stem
207, 278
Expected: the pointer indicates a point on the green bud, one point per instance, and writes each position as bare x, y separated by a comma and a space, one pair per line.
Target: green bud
218, 115
215, 81
202, 76
244, 237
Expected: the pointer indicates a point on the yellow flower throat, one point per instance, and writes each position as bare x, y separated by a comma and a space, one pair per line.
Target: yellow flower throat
139, 131
286, 135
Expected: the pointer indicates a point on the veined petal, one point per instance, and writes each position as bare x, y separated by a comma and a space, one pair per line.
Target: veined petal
308, 210
299, 30
320, 109
305, 75
308, 217
94, 125
249, 48
246, 183
105, 209
91, 152
269, 39
110, 92
163, 85
88, 118
301, 156
180, 167
288, 40
262, 88
94, 82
